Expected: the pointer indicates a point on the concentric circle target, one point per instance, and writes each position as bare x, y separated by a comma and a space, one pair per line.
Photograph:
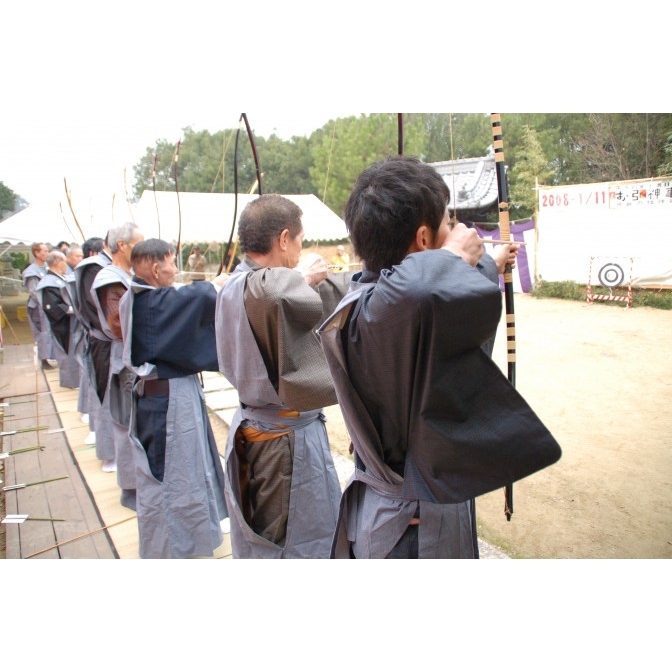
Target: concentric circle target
611, 275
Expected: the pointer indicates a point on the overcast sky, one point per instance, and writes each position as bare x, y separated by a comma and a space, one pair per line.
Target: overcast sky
86, 90
88, 87
86, 107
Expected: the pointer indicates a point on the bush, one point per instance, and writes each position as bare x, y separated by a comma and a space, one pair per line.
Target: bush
19, 260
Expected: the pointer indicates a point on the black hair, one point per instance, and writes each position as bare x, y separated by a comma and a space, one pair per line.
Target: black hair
391, 199
151, 249
92, 246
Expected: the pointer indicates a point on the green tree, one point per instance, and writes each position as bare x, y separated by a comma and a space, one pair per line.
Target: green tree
531, 165
665, 168
456, 136
577, 148
286, 166
209, 163
344, 147
205, 163
7, 199
617, 147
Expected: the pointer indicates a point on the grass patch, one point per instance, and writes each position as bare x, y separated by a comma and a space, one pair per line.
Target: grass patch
572, 291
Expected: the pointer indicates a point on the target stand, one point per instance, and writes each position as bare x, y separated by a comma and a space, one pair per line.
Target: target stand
611, 275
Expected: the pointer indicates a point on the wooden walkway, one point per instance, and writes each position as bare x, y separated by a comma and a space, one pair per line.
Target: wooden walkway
79, 515
94, 524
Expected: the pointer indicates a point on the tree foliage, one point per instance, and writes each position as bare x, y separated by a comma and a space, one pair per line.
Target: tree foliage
204, 163
623, 146
555, 149
7, 199
344, 147
455, 136
665, 168
286, 166
531, 168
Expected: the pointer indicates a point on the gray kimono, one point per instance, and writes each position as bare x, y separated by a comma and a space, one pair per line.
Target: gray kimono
119, 387
179, 516
292, 402
433, 421
68, 363
37, 320
100, 420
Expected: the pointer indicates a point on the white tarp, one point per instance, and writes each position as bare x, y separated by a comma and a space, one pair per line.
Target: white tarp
209, 217
42, 223
606, 233
205, 217
51, 221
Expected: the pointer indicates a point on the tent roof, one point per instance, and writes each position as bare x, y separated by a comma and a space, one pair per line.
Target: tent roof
208, 217
205, 217
43, 223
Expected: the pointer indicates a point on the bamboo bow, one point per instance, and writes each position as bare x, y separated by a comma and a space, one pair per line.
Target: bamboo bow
243, 118
72, 210
176, 159
400, 133
505, 235
156, 205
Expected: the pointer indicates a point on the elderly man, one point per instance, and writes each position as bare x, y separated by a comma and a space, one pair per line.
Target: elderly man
281, 485
109, 285
73, 255
55, 295
39, 325
169, 338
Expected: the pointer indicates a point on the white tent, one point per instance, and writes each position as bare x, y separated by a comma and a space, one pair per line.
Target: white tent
209, 217
205, 218
50, 222
39, 224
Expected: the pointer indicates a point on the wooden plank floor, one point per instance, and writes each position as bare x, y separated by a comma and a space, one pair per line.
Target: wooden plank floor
30, 405
94, 524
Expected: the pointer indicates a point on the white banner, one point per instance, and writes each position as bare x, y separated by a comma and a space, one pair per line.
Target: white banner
585, 228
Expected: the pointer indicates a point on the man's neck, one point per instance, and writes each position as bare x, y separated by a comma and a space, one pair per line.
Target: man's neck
270, 260
121, 262
150, 280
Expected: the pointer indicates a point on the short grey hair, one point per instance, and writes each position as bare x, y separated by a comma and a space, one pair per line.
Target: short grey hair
54, 256
126, 232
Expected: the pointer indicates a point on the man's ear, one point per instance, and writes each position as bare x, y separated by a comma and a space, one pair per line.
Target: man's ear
423, 238
283, 238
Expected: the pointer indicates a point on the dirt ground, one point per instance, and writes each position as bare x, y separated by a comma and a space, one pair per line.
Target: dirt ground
600, 377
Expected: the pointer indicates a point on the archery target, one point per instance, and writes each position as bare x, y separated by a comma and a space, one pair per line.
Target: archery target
611, 275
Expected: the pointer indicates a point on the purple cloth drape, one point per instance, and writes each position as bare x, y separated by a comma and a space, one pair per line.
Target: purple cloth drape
522, 262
